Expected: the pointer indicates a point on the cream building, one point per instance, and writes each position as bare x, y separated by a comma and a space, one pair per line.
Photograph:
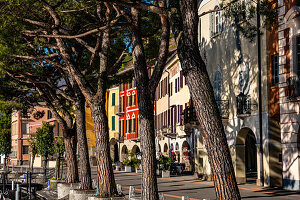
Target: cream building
172, 98
232, 66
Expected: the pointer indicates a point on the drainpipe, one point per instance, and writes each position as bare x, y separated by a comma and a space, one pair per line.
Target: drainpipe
259, 97
169, 91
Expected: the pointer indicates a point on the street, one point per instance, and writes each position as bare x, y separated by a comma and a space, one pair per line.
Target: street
176, 187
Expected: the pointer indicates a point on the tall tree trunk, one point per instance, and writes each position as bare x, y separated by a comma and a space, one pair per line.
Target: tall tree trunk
33, 158
107, 185
72, 168
45, 160
194, 70
57, 166
146, 117
85, 168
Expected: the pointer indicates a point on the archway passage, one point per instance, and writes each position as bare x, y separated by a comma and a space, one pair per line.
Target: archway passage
114, 150
246, 156
124, 153
251, 158
135, 149
186, 157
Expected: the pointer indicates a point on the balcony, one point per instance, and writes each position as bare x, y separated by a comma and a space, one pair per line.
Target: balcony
119, 110
243, 104
223, 106
293, 90
189, 117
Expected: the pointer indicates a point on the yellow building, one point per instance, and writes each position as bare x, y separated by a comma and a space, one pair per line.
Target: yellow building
112, 106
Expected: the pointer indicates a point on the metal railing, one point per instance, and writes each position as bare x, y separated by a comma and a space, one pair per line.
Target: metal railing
243, 104
293, 89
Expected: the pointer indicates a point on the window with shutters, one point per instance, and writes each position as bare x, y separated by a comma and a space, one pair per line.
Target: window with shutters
49, 114
216, 22
113, 101
134, 100
113, 123
275, 69
122, 104
122, 127
133, 124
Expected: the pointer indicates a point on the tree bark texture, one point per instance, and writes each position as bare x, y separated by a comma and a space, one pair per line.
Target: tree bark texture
45, 160
33, 158
106, 180
146, 117
85, 168
57, 166
72, 169
202, 94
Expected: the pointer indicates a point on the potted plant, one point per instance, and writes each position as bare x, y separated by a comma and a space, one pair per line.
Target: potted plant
128, 165
165, 165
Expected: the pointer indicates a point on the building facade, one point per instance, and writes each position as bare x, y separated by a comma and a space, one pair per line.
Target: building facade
232, 64
288, 40
128, 119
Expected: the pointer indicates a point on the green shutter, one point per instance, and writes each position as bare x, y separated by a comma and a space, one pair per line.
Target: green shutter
113, 123
113, 99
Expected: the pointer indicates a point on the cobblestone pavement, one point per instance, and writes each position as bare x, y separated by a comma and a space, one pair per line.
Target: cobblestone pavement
176, 187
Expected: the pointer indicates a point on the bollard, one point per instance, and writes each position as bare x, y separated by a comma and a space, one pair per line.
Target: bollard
131, 192
12, 185
161, 196
119, 189
18, 192
185, 198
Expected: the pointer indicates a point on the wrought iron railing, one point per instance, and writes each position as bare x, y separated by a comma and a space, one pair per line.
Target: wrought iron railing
243, 104
293, 89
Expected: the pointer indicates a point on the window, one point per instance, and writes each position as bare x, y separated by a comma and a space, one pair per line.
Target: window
129, 85
122, 104
137, 127
122, 87
218, 86
216, 24
25, 128
113, 121
49, 114
122, 128
113, 103
25, 150
275, 68
133, 124
134, 100
129, 101
176, 85
128, 125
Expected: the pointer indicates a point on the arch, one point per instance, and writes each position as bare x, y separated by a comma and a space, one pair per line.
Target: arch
172, 147
291, 14
185, 146
124, 152
246, 156
165, 148
218, 85
177, 146
114, 150
135, 149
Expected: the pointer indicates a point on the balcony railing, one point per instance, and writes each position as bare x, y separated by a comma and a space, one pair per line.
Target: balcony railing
243, 103
223, 106
189, 115
293, 87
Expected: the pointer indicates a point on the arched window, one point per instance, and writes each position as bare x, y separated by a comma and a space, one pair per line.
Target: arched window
216, 21
218, 85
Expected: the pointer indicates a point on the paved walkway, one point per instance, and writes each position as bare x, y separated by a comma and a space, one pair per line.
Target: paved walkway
176, 187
